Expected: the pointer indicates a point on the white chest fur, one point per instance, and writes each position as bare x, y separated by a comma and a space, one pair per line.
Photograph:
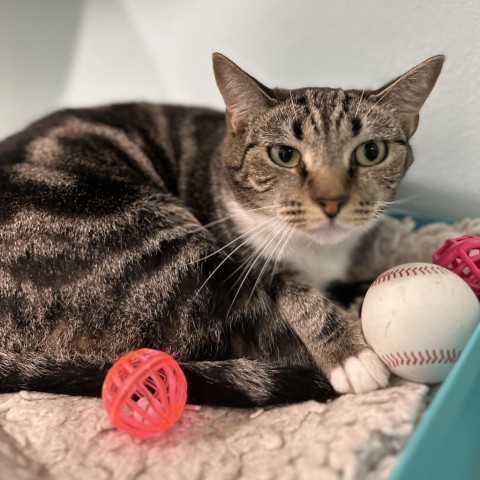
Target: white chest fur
316, 264
320, 264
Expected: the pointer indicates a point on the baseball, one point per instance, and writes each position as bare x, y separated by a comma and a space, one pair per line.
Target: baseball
418, 318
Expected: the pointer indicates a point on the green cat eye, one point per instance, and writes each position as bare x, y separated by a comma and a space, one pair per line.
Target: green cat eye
370, 153
284, 155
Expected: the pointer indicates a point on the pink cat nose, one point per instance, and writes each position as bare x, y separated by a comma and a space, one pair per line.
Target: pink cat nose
331, 206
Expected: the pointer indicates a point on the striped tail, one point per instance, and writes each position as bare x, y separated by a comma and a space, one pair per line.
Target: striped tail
234, 383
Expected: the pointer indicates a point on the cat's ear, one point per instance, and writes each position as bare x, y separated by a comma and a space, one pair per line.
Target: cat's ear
242, 94
407, 93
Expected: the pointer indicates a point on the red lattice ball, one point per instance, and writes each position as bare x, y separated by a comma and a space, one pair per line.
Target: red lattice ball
144, 393
462, 256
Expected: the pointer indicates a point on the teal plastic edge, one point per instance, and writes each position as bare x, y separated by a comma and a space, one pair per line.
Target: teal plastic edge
445, 445
446, 442
421, 219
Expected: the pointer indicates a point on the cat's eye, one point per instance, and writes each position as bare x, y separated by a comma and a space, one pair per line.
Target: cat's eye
370, 153
284, 155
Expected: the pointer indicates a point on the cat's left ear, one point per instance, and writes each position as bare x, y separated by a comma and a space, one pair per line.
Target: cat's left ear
408, 93
243, 95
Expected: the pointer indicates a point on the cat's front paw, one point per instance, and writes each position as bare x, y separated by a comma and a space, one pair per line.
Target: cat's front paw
359, 374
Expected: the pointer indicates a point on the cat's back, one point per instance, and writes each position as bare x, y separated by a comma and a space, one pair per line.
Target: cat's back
138, 141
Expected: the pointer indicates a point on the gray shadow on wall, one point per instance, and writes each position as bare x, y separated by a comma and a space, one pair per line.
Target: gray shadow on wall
37, 44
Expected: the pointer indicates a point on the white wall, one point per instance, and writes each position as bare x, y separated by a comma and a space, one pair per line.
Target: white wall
74, 52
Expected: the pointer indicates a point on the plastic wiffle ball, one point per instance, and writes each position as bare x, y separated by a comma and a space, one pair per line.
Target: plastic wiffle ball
462, 256
144, 393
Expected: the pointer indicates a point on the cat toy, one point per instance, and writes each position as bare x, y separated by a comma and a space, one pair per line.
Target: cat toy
144, 393
419, 316
462, 256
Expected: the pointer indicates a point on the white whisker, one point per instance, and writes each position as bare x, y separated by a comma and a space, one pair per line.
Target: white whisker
291, 100
281, 231
224, 219
244, 265
403, 200
359, 102
280, 253
376, 103
252, 264
229, 243
233, 251
383, 203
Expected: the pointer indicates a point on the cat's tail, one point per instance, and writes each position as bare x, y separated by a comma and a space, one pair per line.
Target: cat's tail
236, 383
248, 383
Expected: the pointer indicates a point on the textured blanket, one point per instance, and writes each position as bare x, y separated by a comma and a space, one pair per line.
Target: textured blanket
354, 437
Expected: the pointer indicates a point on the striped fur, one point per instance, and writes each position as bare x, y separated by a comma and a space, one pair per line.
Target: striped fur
141, 225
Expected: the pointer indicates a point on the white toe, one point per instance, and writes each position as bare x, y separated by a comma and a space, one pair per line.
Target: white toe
358, 376
339, 380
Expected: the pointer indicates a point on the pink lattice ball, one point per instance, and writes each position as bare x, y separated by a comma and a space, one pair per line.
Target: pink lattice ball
462, 256
144, 393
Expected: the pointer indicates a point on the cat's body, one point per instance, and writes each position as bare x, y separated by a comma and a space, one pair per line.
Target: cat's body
140, 225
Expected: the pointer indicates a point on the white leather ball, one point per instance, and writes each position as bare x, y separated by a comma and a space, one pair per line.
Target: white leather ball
418, 318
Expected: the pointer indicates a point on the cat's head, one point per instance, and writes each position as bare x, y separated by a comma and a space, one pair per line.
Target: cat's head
325, 161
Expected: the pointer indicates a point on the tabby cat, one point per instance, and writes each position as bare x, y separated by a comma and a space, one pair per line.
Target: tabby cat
141, 225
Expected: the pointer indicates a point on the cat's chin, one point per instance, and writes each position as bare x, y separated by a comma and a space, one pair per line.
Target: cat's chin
329, 232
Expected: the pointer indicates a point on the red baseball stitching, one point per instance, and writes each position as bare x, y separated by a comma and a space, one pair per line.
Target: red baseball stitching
408, 272
421, 357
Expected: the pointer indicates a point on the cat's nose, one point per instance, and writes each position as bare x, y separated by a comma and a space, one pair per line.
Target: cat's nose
331, 206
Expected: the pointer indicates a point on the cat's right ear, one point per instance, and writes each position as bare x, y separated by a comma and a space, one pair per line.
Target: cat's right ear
243, 95
406, 94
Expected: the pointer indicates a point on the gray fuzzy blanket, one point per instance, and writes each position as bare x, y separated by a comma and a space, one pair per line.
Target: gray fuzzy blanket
354, 437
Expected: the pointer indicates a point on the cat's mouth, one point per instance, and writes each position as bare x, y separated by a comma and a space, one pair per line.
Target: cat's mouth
328, 225
328, 231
